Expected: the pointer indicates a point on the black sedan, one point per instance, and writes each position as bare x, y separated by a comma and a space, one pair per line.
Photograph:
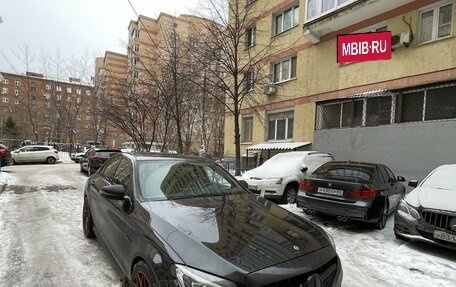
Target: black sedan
174, 221
94, 158
428, 213
357, 191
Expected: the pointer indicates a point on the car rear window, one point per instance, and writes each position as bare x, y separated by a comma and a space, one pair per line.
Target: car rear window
105, 153
345, 172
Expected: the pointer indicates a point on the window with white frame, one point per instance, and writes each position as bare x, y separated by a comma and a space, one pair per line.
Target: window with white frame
59, 97
16, 102
249, 81
284, 70
5, 81
17, 92
78, 91
48, 87
135, 60
247, 128
87, 92
436, 22
318, 8
286, 20
135, 33
5, 100
250, 36
136, 47
58, 88
18, 83
4, 90
68, 90
280, 125
135, 75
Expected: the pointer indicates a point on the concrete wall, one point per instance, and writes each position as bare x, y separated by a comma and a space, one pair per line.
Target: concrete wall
411, 150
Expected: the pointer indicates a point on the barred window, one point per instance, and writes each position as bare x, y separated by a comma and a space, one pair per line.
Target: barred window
409, 107
352, 113
440, 103
378, 111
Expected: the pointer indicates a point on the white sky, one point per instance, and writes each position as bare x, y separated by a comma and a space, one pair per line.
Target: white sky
72, 27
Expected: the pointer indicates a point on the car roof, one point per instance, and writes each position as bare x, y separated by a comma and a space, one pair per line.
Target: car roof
34, 145
301, 153
354, 163
145, 156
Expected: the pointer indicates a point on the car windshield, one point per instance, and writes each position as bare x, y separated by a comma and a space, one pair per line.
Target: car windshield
167, 180
441, 179
345, 172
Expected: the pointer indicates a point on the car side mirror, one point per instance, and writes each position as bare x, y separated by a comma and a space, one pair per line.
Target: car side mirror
116, 191
413, 183
400, 178
244, 183
304, 169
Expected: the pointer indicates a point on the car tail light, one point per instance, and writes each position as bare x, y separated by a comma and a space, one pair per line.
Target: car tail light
3, 152
96, 158
307, 186
365, 192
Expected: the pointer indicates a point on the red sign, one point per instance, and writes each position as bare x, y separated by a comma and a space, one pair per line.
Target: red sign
364, 47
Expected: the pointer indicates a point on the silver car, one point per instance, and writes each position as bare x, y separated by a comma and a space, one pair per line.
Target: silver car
35, 153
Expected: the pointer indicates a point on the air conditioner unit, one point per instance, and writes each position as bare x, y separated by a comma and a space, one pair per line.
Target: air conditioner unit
401, 39
269, 89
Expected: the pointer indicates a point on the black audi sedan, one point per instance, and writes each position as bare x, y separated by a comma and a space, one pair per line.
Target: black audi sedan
358, 191
175, 221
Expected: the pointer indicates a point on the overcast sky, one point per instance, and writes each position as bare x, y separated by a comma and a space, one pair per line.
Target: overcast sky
72, 27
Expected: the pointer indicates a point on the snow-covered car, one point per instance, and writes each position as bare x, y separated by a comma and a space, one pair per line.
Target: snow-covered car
35, 153
278, 178
428, 213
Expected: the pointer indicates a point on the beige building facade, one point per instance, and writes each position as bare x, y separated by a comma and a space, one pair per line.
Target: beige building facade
310, 92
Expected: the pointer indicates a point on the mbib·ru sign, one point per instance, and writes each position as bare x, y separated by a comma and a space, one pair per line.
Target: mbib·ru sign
364, 47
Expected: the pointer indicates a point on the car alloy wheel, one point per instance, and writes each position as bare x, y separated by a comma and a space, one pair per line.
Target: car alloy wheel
141, 275
87, 223
50, 160
290, 194
383, 217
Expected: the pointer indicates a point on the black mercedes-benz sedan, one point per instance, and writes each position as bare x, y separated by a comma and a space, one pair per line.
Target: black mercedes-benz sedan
359, 191
175, 221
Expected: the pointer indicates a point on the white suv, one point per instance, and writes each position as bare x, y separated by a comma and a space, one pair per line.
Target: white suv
35, 153
278, 177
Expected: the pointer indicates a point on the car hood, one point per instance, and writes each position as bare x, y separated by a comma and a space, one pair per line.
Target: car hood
265, 172
432, 198
231, 236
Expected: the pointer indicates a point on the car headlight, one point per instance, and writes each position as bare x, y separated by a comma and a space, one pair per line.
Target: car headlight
189, 277
274, 180
408, 210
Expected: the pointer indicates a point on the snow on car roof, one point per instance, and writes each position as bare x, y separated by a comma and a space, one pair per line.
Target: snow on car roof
272, 146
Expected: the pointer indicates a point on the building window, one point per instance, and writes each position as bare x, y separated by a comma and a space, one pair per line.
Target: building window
318, 8
435, 23
249, 81
136, 47
135, 75
58, 97
16, 102
18, 83
284, 70
286, 20
17, 92
4, 90
135, 33
5, 81
247, 129
87, 93
135, 60
68, 90
5, 100
78, 91
48, 87
280, 126
58, 88
250, 35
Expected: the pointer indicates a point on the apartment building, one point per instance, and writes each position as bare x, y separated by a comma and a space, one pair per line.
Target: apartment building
45, 109
400, 111
110, 85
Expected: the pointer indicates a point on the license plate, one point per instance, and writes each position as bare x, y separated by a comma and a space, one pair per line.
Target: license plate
331, 191
445, 236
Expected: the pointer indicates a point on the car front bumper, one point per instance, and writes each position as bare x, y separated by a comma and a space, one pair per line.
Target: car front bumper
358, 211
266, 190
418, 229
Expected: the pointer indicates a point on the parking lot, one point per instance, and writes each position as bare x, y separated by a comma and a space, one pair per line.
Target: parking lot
43, 243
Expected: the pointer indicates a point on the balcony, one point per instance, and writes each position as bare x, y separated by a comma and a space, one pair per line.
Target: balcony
343, 15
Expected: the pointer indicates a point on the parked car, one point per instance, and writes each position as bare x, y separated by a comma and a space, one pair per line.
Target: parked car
187, 222
5, 156
358, 191
35, 153
77, 156
278, 178
92, 160
428, 212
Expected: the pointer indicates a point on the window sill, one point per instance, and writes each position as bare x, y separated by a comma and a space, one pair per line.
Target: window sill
434, 41
283, 32
280, 141
246, 143
285, 81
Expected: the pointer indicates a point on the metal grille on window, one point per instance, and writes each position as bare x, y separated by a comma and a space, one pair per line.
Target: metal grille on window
378, 111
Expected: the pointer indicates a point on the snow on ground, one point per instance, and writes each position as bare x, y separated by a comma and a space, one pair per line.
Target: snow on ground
373, 257
5, 178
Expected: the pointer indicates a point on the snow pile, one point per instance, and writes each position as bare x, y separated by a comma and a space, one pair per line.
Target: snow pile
5, 178
65, 157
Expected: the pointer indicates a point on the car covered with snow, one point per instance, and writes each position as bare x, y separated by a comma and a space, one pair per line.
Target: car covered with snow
278, 178
428, 212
